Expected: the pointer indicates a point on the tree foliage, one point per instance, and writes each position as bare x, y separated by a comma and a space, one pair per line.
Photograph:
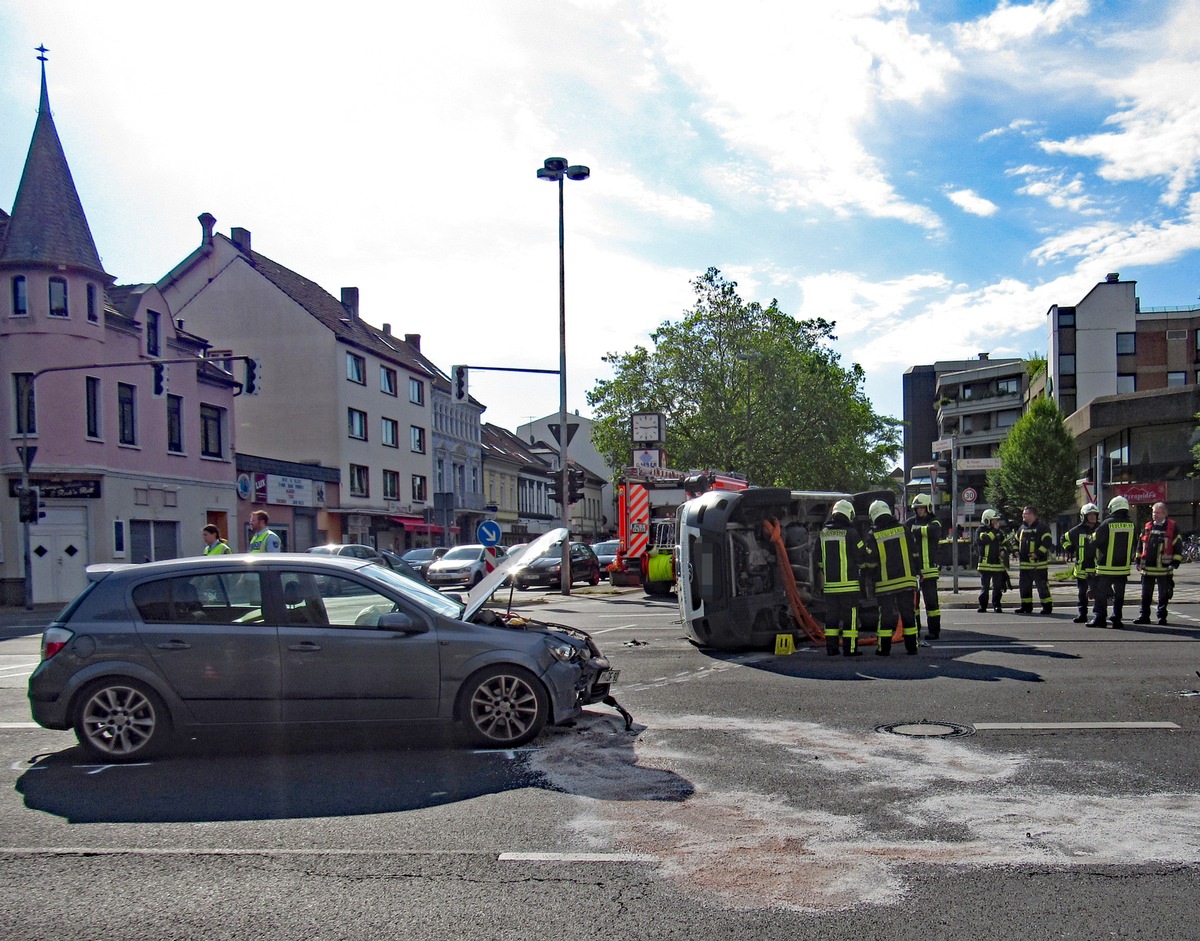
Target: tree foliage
750, 389
1038, 463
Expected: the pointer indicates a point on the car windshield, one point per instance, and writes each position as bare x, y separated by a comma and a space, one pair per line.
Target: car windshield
323, 550
417, 555
605, 548
461, 553
419, 592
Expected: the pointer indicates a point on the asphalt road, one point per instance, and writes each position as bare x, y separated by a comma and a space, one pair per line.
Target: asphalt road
755, 797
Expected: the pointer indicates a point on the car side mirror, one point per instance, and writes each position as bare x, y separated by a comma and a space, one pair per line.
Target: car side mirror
399, 621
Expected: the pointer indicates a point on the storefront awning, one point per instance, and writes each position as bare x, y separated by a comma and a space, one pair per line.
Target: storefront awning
414, 524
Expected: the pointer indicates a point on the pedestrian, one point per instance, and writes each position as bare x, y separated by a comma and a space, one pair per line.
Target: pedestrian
1034, 544
992, 571
213, 543
1159, 555
1116, 545
1082, 551
263, 539
927, 535
892, 557
842, 554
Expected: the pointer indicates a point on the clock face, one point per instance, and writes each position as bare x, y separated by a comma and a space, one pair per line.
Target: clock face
647, 427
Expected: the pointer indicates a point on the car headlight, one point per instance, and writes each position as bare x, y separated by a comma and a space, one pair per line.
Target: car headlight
562, 652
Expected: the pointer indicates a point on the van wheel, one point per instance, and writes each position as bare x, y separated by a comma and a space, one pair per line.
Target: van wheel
120, 719
503, 706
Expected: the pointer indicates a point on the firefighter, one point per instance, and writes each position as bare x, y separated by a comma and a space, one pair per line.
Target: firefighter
891, 554
992, 570
263, 539
1034, 543
1078, 542
1158, 558
842, 553
927, 534
1115, 547
213, 543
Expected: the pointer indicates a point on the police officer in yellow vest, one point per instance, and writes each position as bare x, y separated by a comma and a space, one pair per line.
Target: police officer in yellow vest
842, 553
1078, 542
891, 555
1034, 543
926, 534
1157, 559
213, 543
992, 571
261, 538
1116, 544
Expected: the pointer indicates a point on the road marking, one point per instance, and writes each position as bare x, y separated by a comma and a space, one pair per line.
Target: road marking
577, 858
654, 614
19, 725
18, 669
1035, 726
269, 851
1014, 646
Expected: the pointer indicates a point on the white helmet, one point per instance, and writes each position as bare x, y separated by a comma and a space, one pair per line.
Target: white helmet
878, 509
1118, 503
845, 507
922, 499
1088, 508
989, 515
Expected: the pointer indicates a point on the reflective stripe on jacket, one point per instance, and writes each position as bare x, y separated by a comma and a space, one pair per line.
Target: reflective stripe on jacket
1115, 543
991, 541
220, 547
926, 534
1160, 548
1079, 542
842, 552
894, 552
1033, 546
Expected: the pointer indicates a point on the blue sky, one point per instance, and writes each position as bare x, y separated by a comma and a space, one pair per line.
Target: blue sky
931, 176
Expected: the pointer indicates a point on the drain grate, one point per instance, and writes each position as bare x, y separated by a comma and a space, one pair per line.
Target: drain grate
926, 728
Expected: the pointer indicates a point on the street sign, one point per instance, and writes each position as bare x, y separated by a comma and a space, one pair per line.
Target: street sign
969, 495
943, 444
978, 463
488, 533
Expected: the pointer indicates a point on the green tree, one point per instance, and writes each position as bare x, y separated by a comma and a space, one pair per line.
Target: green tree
1038, 463
751, 389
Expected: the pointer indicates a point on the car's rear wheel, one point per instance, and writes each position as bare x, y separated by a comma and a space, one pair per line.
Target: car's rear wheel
503, 706
120, 719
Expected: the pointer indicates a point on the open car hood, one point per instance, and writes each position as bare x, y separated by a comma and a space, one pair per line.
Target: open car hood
510, 565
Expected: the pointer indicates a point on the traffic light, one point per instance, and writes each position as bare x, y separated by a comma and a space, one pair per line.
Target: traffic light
458, 378
29, 504
554, 491
160, 380
253, 377
575, 490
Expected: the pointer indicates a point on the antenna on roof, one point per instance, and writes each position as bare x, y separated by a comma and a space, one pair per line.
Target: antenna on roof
43, 50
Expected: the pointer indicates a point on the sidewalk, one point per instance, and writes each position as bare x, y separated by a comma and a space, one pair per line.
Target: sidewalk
1062, 591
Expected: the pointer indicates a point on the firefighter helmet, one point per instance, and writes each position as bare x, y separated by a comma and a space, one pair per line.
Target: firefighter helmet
922, 499
1118, 503
878, 509
845, 507
1088, 508
989, 515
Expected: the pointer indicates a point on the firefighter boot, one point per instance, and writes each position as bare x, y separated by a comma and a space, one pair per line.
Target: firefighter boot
935, 627
885, 647
1144, 618
831, 646
850, 647
910, 645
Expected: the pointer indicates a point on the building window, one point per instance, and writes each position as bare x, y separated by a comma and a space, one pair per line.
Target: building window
1066, 318
58, 297
126, 413
387, 380
416, 391
1177, 379
93, 309
360, 481
1066, 364
391, 485
420, 486
1007, 418
1126, 344
390, 433
357, 423
20, 296
175, 424
91, 405
356, 369
1126, 382
418, 439
212, 421
26, 417
1008, 386
153, 339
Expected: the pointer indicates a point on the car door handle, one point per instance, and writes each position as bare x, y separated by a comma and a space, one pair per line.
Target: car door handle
174, 645
306, 647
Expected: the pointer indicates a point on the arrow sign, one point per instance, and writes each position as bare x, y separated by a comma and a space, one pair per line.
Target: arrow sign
488, 533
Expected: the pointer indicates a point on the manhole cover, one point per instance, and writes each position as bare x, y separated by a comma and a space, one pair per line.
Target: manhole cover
926, 728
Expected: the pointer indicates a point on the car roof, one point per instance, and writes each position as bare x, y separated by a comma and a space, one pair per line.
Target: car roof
199, 563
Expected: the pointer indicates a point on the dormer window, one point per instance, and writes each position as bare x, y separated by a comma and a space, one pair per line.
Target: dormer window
153, 340
58, 297
20, 297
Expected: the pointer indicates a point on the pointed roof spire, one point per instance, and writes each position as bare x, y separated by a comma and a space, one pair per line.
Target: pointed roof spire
48, 225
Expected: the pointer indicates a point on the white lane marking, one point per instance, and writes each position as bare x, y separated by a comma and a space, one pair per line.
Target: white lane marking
1034, 726
18, 669
19, 725
610, 629
656, 614
578, 858
1013, 646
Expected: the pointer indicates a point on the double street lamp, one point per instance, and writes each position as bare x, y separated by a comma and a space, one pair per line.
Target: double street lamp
555, 169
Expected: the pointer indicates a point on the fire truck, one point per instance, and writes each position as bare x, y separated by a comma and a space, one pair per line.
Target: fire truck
647, 500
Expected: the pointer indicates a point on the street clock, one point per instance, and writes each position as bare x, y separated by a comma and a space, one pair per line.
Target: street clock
648, 428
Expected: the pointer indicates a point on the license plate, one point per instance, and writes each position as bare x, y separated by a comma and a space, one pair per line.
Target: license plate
608, 676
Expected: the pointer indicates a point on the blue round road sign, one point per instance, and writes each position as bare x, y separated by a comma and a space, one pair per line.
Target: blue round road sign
488, 533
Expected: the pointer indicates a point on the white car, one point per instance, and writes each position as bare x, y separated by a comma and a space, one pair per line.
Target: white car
462, 565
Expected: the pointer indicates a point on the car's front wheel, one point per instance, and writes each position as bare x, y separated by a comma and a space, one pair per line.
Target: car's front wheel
119, 719
503, 706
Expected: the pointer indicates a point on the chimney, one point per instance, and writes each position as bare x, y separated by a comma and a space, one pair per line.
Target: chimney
387, 329
350, 301
984, 356
241, 238
207, 221
413, 340
1112, 277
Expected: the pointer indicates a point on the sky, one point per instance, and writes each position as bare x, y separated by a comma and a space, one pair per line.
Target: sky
929, 176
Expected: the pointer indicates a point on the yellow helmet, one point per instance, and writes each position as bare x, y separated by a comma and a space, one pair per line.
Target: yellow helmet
845, 507
878, 509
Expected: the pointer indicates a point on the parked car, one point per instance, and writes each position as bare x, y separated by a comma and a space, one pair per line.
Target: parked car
606, 554
462, 565
546, 566
423, 557
154, 650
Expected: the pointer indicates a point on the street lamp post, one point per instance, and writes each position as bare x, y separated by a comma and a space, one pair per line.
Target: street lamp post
555, 169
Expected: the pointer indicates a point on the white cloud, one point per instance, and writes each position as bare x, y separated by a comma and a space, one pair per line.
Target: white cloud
1112, 245
1008, 24
1054, 187
969, 201
1019, 126
633, 191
